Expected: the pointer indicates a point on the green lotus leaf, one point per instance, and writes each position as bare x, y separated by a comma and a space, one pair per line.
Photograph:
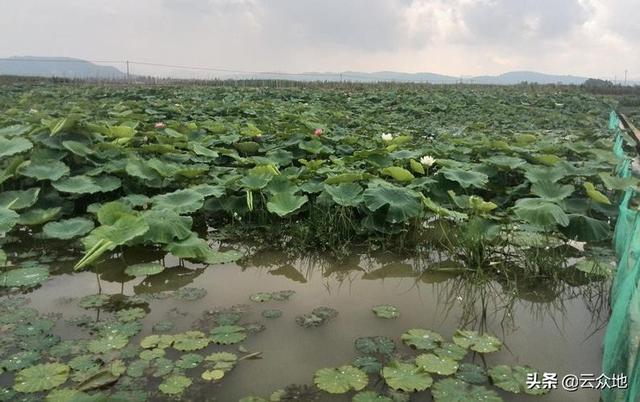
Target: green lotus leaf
87, 185
152, 354
101, 378
227, 334
452, 351
223, 257
370, 396
368, 364
27, 277
506, 162
402, 203
345, 194
253, 399
137, 368
540, 212
202, 150
67, 229
406, 377
416, 166
584, 228
223, 361
375, 345
472, 373
65, 395
37, 216
174, 384
77, 148
180, 201
595, 195
107, 343
422, 339
547, 159
551, 191
8, 219
3, 258
340, 380
398, 173
121, 131
12, 146
163, 326
190, 294
212, 375
20, 360
595, 267
618, 183
19, 199
189, 361
110, 212
386, 311
83, 363
41, 377
144, 269
43, 170
139, 168
436, 364
130, 314
190, 340
536, 173
163, 367
479, 343
514, 379
256, 181
272, 314
93, 301
194, 248
260, 297
465, 178
285, 203
157, 341
452, 390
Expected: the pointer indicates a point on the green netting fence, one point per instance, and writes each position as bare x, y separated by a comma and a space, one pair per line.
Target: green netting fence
622, 337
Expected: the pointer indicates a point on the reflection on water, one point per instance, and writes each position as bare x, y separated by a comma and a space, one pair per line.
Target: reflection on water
553, 324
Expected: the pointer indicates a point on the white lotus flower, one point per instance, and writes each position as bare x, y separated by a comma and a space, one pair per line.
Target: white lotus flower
427, 160
386, 137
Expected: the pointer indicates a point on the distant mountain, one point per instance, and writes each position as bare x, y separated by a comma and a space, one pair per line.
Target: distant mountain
56, 67
516, 77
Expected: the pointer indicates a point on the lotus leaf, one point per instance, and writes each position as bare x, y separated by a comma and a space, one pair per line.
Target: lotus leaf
398, 173
514, 379
375, 345
163, 367
402, 203
452, 390
370, 396
345, 194
540, 212
282, 295
260, 297
107, 343
190, 340
192, 247
190, 294
618, 183
452, 351
406, 377
227, 334
137, 368
152, 354
13, 146
174, 384
212, 375
386, 311
8, 219
285, 203
368, 364
189, 361
43, 170
67, 229
131, 314
144, 269
20, 360
93, 301
87, 185
19, 199
436, 364
180, 201
472, 373
65, 395
41, 377
24, 277
340, 380
479, 343
551, 191
166, 226
36, 216
422, 339
465, 178
595, 195
584, 228
157, 341
272, 313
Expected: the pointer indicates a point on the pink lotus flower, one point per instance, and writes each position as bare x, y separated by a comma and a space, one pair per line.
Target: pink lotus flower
160, 125
318, 132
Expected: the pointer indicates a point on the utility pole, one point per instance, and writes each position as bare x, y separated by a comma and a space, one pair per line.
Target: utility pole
128, 76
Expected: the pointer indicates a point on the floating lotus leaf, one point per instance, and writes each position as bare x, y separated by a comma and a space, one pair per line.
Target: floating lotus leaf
256, 181
406, 377
65, 395
127, 329
190, 340
180, 201
345, 194
144, 269
260, 297
19, 199
452, 390
163, 367
131, 314
340, 380
107, 343
282, 295
398, 173
551, 191
93, 301
8, 219
218, 357
472, 373
212, 375
192, 247
12, 146
174, 384
152, 354
190, 294
368, 364
157, 341
370, 396
507, 162
479, 343
540, 212
386, 311
41, 377
514, 379
375, 345
100, 379
436, 364
189, 361
137, 368
67, 229
223, 257
272, 314
23, 277
595, 195
166, 226
20, 360
465, 178
402, 203
77, 148
44, 170
37, 216
227, 334
422, 339
284, 203
87, 184
452, 351
163, 326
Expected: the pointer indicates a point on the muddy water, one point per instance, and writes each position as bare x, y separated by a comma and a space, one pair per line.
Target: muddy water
556, 331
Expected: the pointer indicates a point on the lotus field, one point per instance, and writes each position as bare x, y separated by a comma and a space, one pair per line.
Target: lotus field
150, 187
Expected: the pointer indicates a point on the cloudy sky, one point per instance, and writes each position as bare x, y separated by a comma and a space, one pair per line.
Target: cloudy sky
454, 37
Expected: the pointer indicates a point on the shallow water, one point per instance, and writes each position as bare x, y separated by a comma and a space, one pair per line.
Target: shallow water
557, 332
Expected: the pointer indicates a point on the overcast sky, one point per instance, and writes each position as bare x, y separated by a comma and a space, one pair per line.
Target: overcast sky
456, 37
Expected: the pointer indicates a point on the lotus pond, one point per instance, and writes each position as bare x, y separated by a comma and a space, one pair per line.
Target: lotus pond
365, 243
